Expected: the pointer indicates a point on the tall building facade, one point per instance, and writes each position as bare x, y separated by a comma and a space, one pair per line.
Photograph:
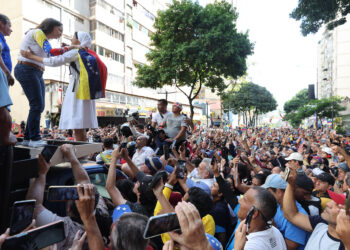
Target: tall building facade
120, 30
333, 72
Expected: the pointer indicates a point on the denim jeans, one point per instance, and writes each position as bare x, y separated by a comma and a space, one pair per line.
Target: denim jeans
47, 121
32, 82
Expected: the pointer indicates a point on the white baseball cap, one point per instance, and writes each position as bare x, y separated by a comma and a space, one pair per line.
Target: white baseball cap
295, 156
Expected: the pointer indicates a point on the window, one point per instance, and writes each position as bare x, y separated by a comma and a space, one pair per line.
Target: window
122, 99
110, 54
108, 30
78, 19
101, 51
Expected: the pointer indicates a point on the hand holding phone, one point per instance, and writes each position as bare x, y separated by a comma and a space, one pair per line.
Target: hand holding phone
286, 173
22, 215
48, 152
37, 238
62, 193
173, 145
249, 217
160, 224
181, 169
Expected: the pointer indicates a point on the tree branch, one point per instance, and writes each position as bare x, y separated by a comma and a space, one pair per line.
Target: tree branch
177, 86
199, 89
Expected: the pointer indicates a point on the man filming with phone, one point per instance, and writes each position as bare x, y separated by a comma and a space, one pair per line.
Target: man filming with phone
257, 208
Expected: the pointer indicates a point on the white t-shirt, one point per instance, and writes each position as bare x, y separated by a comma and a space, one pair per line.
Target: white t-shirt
269, 239
320, 239
31, 40
140, 156
158, 117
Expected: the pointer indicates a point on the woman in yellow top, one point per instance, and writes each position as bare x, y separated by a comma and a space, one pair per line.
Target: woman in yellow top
199, 198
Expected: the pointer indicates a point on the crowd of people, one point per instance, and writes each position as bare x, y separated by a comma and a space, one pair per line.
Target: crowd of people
240, 188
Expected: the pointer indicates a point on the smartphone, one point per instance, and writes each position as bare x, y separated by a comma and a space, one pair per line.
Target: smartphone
21, 216
199, 140
62, 193
123, 145
37, 238
173, 145
181, 169
156, 178
48, 152
286, 174
160, 224
130, 118
249, 217
166, 151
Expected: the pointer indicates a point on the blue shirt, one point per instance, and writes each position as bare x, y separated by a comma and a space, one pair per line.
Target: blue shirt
288, 230
190, 183
5, 54
5, 99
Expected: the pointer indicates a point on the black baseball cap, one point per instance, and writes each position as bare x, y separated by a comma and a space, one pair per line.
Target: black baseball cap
326, 177
304, 182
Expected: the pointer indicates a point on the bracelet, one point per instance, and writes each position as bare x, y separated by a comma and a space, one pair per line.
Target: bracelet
169, 186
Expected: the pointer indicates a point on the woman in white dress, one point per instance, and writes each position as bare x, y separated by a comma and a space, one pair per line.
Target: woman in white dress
77, 114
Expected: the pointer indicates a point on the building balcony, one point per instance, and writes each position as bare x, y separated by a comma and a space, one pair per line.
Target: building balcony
104, 40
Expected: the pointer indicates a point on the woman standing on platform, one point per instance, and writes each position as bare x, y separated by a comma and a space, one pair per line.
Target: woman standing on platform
29, 73
88, 81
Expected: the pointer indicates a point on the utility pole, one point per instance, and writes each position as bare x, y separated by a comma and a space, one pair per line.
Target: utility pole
166, 93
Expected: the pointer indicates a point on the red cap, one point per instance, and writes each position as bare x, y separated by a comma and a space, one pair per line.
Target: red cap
337, 198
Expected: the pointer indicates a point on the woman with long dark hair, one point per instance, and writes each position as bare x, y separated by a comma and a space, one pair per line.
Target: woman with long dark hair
87, 82
29, 73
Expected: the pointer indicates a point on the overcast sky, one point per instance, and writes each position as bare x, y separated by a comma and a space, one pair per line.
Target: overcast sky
283, 61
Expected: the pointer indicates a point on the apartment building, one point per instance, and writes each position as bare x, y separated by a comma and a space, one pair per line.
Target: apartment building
120, 30
333, 73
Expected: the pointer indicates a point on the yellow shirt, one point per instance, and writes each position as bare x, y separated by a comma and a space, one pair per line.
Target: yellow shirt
208, 220
324, 197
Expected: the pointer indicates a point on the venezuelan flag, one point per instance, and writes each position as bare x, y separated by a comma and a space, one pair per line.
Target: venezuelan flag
41, 39
93, 76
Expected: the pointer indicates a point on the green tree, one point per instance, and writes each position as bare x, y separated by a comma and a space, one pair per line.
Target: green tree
251, 100
300, 99
195, 46
325, 108
291, 107
315, 13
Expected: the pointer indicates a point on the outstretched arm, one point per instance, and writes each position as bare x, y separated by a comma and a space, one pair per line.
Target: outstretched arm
86, 208
112, 190
37, 186
79, 172
290, 210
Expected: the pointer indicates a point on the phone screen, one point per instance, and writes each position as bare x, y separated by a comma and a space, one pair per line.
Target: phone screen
21, 216
199, 140
62, 193
160, 224
286, 174
37, 238
181, 169
48, 152
166, 151
173, 145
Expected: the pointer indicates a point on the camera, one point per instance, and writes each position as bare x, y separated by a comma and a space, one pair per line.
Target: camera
335, 171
